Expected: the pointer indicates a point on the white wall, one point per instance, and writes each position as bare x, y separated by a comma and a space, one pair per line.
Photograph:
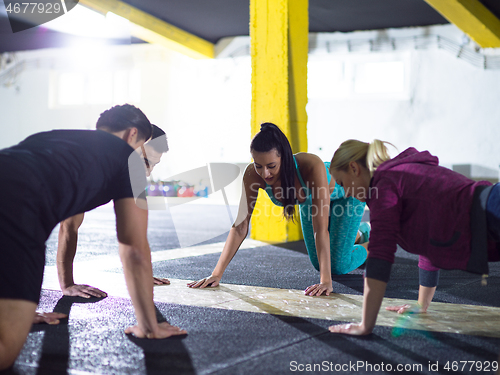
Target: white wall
448, 106
453, 111
208, 112
203, 105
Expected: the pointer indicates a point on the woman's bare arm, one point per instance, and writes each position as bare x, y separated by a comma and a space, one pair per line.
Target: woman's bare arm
313, 172
238, 232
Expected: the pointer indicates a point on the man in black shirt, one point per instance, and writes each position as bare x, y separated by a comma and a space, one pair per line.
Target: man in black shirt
51, 176
68, 230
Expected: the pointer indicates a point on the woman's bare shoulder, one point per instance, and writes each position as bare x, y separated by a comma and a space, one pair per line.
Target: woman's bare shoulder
310, 165
307, 160
250, 177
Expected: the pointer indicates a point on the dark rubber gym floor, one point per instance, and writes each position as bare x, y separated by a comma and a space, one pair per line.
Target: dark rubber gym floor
250, 332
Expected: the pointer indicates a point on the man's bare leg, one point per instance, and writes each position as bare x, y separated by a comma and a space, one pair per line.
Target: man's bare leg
16, 317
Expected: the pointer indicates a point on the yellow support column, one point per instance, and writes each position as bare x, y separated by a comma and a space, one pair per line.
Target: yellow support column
279, 32
473, 18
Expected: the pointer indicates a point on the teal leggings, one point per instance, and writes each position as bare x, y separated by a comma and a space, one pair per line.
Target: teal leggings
345, 217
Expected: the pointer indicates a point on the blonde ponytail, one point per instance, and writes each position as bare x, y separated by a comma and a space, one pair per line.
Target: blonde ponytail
376, 155
369, 155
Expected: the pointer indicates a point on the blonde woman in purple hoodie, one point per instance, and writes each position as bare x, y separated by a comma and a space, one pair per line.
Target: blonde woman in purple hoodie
450, 221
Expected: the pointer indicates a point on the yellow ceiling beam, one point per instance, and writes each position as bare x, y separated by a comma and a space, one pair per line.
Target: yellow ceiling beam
473, 18
154, 30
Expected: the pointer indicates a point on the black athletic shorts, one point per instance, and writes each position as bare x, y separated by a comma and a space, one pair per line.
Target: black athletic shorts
23, 233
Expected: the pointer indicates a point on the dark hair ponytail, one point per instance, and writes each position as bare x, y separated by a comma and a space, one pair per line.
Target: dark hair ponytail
271, 137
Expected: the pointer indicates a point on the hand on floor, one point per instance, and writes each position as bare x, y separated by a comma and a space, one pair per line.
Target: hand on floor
163, 331
160, 281
49, 318
85, 291
319, 289
211, 281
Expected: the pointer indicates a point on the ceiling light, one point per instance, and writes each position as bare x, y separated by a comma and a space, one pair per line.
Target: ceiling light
88, 23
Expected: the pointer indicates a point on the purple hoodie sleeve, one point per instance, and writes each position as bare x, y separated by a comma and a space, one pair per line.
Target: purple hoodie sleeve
385, 215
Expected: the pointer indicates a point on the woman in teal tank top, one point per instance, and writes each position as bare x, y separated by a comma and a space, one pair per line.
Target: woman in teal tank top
330, 221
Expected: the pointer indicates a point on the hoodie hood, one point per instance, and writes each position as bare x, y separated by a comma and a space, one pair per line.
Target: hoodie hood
410, 155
